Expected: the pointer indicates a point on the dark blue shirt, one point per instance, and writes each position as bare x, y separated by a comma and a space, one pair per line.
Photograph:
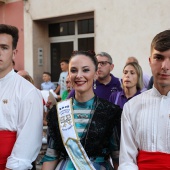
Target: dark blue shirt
120, 99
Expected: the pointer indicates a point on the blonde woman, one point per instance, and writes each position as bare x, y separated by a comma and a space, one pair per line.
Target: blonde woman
131, 82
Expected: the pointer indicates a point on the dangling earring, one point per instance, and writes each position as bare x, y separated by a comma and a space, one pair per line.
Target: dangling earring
94, 84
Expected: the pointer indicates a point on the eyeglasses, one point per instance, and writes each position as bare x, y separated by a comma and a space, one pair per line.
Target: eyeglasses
103, 63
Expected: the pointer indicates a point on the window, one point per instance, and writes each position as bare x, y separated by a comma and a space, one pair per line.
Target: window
86, 44
66, 37
61, 29
86, 26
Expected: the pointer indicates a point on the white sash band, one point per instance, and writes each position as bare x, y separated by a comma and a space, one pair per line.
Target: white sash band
70, 138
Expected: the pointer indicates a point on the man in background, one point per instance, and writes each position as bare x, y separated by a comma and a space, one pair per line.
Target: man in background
106, 82
47, 84
62, 79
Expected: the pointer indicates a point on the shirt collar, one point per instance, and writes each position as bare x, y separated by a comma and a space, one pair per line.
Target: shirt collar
157, 93
97, 82
122, 93
8, 75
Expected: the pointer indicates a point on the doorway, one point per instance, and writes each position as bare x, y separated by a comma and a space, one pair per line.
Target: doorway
59, 51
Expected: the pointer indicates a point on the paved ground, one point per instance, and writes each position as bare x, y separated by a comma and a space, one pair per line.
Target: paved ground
42, 151
38, 167
40, 156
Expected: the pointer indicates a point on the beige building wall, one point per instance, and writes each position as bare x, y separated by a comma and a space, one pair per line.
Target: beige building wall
122, 28
11, 13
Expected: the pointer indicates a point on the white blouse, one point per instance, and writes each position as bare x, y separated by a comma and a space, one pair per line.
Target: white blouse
145, 126
21, 110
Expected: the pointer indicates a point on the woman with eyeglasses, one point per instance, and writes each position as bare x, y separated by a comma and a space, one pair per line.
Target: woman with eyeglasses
132, 82
84, 131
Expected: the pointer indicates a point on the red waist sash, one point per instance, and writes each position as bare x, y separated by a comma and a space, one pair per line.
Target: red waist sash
153, 160
7, 140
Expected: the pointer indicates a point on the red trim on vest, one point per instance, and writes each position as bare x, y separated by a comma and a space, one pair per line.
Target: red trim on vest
153, 160
7, 140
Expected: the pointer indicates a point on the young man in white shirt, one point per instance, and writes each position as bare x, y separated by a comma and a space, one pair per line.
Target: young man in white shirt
145, 135
63, 75
21, 109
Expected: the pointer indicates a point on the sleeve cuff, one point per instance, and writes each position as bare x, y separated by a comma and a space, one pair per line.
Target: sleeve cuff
18, 164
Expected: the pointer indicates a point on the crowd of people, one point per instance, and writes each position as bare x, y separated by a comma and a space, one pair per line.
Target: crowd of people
95, 120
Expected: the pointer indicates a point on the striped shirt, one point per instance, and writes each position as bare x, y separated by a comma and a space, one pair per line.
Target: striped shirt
82, 116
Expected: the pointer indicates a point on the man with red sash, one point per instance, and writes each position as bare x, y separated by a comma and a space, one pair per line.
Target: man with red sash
145, 135
21, 109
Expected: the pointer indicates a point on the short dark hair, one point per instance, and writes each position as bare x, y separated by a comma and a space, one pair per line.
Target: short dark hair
104, 54
64, 60
90, 54
45, 72
11, 30
161, 42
